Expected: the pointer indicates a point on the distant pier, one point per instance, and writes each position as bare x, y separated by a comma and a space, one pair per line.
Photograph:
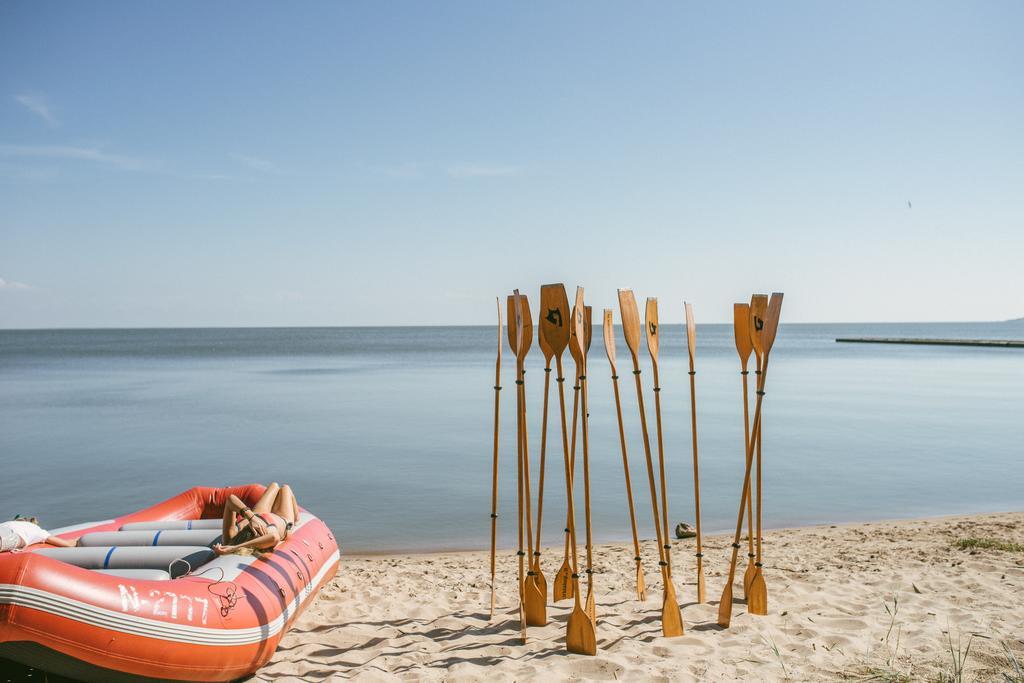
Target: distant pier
998, 343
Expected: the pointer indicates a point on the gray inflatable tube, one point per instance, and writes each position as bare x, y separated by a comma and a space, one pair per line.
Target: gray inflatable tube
176, 560
159, 537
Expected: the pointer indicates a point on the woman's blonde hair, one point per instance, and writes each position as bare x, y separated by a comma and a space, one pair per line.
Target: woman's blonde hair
21, 518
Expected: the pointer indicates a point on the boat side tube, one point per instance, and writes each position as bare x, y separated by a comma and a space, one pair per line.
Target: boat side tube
176, 560
142, 538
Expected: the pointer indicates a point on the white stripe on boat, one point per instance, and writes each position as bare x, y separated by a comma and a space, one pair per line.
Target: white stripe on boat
93, 615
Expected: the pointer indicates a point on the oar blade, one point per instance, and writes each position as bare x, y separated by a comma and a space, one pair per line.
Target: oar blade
630, 320
771, 321
536, 609
641, 587
651, 327
527, 338
725, 606
741, 331
553, 320
513, 341
591, 608
579, 333
691, 331
671, 616
588, 326
757, 596
575, 350
609, 339
580, 635
748, 577
758, 309
561, 589
702, 595
540, 581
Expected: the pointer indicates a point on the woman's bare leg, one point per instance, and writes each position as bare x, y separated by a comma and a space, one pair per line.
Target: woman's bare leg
267, 500
285, 505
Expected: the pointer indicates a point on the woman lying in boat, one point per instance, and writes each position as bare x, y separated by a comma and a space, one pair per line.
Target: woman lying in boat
22, 532
261, 527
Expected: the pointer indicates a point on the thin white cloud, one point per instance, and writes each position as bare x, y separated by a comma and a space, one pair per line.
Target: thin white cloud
38, 106
481, 171
255, 163
93, 154
11, 285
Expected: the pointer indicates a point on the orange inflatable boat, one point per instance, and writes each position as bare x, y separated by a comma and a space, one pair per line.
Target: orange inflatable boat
144, 598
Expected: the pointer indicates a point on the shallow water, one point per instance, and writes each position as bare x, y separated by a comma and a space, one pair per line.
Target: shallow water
386, 432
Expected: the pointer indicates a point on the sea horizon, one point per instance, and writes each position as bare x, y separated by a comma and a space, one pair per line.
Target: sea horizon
491, 325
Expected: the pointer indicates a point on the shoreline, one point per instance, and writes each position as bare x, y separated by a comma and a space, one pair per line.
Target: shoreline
454, 550
856, 601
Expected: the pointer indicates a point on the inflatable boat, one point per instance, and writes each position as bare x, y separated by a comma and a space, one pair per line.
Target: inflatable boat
144, 598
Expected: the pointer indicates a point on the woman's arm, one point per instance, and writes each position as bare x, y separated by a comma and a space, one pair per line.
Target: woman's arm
235, 505
60, 542
268, 539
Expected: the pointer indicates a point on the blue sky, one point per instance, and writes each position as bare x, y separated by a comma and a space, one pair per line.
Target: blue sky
166, 164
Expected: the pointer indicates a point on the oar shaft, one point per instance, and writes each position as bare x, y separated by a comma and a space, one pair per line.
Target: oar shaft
586, 482
625, 469
696, 471
543, 464
746, 475
572, 452
526, 472
760, 431
757, 444
746, 445
570, 521
650, 472
494, 473
519, 501
661, 470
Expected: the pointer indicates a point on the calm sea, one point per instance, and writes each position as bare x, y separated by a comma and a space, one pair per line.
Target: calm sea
386, 432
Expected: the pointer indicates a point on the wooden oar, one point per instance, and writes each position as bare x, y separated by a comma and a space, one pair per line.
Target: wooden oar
691, 345
764, 327
563, 588
757, 597
609, 347
741, 332
581, 631
536, 603
585, 421
754, 533
671, 617
553, 336
494, 469
653, 332
515, 338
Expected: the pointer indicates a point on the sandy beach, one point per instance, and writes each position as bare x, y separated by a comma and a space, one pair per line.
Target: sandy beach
874, 601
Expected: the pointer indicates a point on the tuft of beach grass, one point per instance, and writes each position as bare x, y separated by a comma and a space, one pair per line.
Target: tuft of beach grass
988, 544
